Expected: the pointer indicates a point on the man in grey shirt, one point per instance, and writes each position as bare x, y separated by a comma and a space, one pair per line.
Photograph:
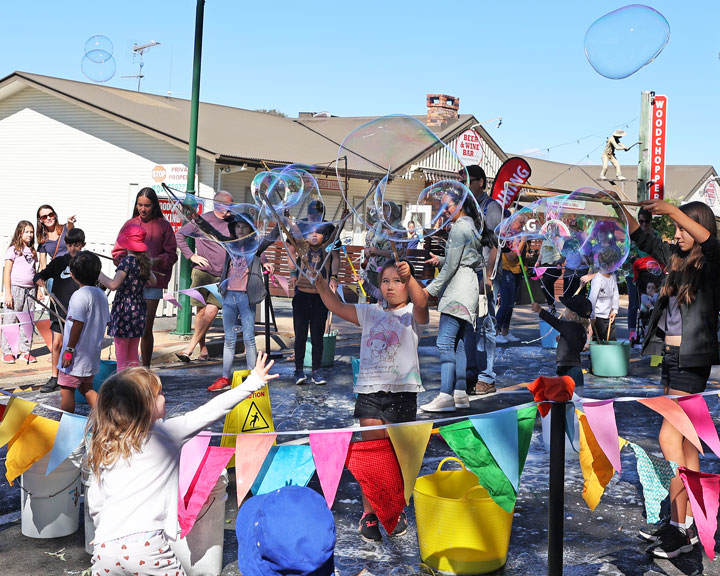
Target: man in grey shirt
208, 260
480, 342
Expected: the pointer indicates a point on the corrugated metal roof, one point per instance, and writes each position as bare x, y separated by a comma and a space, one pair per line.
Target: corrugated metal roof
225, 133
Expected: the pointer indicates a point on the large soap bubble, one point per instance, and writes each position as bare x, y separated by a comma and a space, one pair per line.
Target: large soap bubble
385, 147
625, 40
598, 229
98, 63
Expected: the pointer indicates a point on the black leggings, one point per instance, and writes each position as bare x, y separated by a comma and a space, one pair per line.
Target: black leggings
308, 311
548, 280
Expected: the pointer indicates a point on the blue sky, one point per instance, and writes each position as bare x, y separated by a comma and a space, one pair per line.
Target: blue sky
522, 60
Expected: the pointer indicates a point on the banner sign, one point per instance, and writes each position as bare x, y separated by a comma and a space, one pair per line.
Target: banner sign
514, 170
658, 129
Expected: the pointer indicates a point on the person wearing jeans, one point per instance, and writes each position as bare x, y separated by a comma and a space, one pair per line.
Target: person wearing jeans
236, 304
482, 339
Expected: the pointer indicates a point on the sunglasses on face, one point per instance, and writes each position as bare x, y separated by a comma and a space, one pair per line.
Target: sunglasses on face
47, 216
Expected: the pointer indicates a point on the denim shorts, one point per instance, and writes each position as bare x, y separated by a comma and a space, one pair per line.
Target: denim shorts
390, 407
152, 293
692, 380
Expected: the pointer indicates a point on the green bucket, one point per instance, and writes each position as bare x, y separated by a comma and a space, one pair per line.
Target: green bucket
610, 360
328, 356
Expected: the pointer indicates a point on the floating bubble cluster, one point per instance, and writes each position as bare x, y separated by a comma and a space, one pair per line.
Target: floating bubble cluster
98, 63
626, 40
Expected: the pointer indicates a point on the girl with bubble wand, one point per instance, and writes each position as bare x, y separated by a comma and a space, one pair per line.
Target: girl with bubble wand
686, 318
134, 455
389, 378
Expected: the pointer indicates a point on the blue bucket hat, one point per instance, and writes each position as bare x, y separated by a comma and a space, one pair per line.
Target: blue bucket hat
287, 532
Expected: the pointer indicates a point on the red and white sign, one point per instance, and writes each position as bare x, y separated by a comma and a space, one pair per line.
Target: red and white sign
710, 194
331, 184
468, 147
515, 171
658, 129
172, 216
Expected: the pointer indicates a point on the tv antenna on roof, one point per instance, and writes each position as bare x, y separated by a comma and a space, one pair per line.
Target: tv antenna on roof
138, 51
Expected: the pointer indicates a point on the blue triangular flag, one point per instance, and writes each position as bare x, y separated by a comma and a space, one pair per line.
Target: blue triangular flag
284, 466
499, 431
69, 436
213, 289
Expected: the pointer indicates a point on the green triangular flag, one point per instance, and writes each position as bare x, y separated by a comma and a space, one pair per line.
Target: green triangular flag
465, 441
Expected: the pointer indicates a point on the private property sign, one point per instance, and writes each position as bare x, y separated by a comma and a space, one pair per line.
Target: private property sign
468, 147
175, 176
658, 129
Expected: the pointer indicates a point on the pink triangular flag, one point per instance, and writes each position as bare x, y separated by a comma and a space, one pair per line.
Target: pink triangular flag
703, 491
671, 411
282, 282
250, 453
601, 418
12, 335
171, 298
696, 409
216, 460
191, 457
329, 452
194, 294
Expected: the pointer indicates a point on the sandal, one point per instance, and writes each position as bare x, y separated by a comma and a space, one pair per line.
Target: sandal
183, 357
203, 357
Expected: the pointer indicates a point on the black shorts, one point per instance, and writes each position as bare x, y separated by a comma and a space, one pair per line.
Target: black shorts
55, 326
390, 407
692, 380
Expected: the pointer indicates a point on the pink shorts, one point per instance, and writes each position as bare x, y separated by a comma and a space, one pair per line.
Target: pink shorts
70, 381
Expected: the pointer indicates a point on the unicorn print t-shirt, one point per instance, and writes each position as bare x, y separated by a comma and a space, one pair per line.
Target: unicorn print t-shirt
388, 350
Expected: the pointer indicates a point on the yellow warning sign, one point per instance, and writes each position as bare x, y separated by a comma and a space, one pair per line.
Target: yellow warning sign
253, 414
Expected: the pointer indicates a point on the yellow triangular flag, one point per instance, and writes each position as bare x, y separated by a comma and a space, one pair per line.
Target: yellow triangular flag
596, 467
15, 413
33, 441
410, 442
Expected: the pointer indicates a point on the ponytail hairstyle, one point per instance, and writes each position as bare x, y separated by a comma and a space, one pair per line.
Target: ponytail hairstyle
144, 263
17, 241
123, 416
685, 268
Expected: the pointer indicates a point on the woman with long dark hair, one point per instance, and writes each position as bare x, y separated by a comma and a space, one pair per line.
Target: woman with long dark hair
51, 234
162, 250
457, 287
683, 326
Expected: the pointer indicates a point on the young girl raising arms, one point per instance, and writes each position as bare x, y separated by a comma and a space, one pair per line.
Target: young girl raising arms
135, 457
389, 378
685, 320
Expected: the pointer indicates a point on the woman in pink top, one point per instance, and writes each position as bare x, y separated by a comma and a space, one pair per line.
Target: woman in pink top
162, 249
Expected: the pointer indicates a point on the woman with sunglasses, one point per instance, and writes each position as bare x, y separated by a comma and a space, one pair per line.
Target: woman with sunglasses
51, 234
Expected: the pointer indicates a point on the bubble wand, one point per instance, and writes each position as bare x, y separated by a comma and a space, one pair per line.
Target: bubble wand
527, 282
354, 271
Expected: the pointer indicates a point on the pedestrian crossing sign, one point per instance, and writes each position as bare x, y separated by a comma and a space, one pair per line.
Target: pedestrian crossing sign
253, 414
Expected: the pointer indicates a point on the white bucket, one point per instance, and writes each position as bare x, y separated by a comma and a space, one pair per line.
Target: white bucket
50, 505
89, 524
571, 450
201, 551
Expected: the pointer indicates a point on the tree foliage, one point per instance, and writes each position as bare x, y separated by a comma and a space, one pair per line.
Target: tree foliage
272, 111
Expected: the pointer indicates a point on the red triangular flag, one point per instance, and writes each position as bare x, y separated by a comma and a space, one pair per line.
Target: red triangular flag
216, 459
671, 411
329, 451
43, 328
702, 490
374, 465
696, 409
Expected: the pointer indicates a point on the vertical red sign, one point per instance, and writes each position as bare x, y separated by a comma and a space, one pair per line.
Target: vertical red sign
658, 130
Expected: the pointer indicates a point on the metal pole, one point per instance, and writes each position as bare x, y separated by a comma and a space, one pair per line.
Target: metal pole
184, 317
267, 314
644, 149
556, 496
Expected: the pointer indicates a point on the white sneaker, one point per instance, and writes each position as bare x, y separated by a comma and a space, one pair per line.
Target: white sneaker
461, 399
443, 403
620, 178
500, 339
511, 338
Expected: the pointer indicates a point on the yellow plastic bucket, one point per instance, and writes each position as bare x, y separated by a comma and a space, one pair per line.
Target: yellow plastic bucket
460, 529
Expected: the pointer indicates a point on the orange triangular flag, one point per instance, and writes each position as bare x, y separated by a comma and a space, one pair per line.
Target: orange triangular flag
410, 442
43, 328
15, 413
671, 411
250, 453
34, 440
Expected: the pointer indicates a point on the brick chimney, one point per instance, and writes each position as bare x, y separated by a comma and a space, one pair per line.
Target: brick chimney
441, 109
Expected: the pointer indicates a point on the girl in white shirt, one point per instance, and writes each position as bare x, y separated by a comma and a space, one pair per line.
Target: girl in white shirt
389, 377
135, 455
